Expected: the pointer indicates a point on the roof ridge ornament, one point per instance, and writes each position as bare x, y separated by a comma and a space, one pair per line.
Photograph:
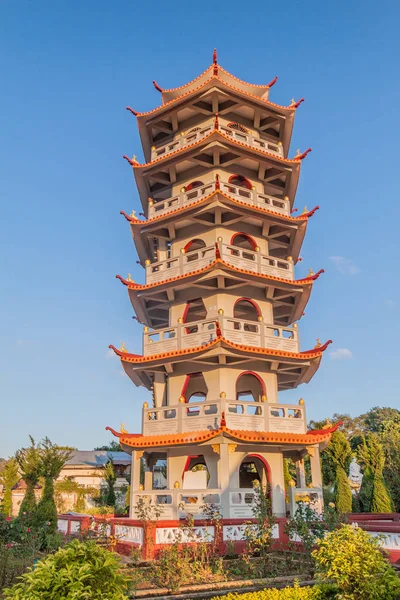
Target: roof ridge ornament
295, 104
215, 63
273, 82
132, 161
300, 156
157, 87
134, 112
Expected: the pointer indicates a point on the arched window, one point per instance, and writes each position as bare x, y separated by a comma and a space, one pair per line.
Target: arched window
238, 127
195, 244
193, 185
194, 390
244, 241
249, 388
246, 310
195, 310
240, 181
254, 471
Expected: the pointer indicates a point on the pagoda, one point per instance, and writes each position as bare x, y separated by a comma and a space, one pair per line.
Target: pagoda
218, 242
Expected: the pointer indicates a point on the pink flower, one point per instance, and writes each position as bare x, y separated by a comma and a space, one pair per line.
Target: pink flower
28, 530
8, 519
9, 546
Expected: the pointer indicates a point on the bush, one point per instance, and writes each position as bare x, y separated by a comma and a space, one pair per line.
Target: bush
323, 592
352, 559
80, 570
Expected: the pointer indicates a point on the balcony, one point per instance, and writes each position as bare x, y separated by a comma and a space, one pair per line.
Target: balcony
249, 260
197, 133
239, 331
252, 197
251, 416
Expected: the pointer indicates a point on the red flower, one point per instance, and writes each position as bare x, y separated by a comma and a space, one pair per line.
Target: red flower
8, 519
28, 530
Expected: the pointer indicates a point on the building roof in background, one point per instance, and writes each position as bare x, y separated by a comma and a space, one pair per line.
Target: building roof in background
98, 458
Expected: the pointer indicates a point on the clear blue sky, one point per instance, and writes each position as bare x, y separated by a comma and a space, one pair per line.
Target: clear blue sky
68, 69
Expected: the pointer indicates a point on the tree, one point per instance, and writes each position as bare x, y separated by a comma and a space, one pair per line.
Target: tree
113, 446
53, 458
9, 477
339, 451
29, 463
80, 491
374, 496
390, 439
110, 477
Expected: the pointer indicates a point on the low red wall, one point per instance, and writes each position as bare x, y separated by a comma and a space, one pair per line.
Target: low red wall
152, 536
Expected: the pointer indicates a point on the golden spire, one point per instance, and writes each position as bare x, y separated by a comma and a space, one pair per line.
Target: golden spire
133, 214
318, 344
327, 425
122, 348
298, 153
129, 278
122, 428
305, 210
310, 272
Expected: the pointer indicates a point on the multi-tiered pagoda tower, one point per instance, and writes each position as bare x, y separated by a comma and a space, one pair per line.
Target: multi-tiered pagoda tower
220, 304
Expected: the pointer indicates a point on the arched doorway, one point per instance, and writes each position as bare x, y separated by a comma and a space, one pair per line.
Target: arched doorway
247, 310
192, 246
240, 181
250, 388
195, 388
195, 310
193, 185
244, 241
254, 471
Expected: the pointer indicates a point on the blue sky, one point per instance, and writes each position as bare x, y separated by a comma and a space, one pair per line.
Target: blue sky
68, 70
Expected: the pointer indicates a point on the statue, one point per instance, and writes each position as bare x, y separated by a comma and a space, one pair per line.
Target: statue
355, 475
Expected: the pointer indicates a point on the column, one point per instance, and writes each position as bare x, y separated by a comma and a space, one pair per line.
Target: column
223, 478
300, 473
315, 461
135, 480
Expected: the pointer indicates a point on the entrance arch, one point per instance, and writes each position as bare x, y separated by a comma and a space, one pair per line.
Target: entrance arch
195, 310
254, 468
240, 181
246, 309
195, 388
244, 241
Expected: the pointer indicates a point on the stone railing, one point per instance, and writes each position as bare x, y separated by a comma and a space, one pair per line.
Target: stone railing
252, 197
199, 416
249, 260
183, 139
178, 503
240, 331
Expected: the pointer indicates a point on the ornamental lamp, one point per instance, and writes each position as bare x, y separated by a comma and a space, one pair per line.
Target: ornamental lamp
301, 402
222, 395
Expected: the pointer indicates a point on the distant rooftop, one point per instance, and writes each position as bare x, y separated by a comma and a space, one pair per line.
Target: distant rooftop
98, 458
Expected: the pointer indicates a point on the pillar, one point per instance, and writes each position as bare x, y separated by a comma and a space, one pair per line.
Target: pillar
300, 473
135, 480
223, 478
315, 461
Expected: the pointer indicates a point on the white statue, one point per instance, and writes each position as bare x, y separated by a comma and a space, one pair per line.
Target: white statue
355, 475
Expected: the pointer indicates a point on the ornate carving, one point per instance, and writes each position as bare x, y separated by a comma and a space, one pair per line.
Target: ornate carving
215, 448
122, 428
232, 448
139, 454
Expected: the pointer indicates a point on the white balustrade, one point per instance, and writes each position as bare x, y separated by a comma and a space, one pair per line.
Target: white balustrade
178, 503
252, 197
200, 416
239, 331
249, 260
181, 140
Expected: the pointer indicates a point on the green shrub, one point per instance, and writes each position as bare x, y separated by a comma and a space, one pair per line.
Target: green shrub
323, 592
79, 570
352, 559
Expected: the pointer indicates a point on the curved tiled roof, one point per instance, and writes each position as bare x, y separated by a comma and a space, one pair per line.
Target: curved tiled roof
292, 108
138, 358
297, 160
302, 217
193, 437
143, 286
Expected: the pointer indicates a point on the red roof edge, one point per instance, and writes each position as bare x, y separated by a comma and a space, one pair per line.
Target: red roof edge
327, 430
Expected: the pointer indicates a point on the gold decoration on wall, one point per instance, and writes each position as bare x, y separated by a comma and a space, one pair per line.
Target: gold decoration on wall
301, 401
215, 448
133, 214
310, 272
220, 311
298, 153
129, 278
311, 450
177, 485
182, 399
139, 455
264, 398
182, 251
122, 348
305, 210
260, 318
222, 395
232, 448
122, 428
327, 425
292, 483
141, 487
256, 248
145, 405
219, 239
145, 329
318, 344
147, 262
